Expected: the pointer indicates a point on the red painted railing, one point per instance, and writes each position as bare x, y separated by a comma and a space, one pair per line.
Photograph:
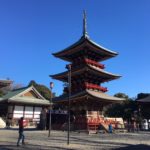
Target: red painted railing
88, 61
94, 63
94, 86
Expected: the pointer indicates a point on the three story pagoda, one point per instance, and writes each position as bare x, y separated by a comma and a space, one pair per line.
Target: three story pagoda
87, 75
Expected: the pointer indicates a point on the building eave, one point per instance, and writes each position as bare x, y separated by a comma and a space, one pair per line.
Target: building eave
104, 96
87, 42
100, 96
102, 48
63, 76
31, 101
144, 100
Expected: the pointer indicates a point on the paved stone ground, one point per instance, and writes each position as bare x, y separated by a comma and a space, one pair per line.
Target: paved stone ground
39, 140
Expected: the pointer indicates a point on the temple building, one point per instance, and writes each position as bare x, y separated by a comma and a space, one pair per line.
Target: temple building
88, 96
144, 106
24, 102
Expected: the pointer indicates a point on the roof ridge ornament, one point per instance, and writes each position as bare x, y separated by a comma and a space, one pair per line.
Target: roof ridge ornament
85, 34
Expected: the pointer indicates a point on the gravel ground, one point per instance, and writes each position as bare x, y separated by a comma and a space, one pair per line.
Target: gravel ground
39, 140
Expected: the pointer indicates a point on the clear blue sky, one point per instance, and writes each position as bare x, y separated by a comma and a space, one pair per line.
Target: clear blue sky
30, 30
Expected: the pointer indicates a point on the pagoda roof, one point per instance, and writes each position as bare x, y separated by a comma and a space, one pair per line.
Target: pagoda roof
144, 100
96, 95
100, 72
101, 52
19, 96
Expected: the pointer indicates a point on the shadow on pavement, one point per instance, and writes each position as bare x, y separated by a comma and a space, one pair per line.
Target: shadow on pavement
89, 142
38, 147
12, 146
135, 147
32, 147
16, 128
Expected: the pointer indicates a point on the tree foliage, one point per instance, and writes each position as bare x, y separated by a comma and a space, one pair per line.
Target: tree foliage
1, 93
122, 95
42, 89
9, 88
16, 86
125, 109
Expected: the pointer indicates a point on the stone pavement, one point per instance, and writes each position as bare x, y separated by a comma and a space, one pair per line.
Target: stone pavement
39, 140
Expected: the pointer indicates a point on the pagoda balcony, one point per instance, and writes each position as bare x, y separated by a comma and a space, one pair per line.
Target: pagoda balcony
94, 63
82, 86
95, 86
80, 61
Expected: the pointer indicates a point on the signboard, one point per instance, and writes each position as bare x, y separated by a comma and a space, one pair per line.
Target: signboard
58, 112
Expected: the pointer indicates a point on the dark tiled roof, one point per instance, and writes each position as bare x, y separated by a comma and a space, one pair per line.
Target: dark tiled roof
82, 40
14, 92
13, 97
144, 100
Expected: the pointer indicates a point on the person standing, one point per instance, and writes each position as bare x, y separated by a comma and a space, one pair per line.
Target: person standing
110, 128
21, 132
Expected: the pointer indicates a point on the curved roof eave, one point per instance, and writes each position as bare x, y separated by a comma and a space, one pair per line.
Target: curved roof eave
25, 100
101, 47
82, 40
91, 67
146, 100
101, 96
103, 71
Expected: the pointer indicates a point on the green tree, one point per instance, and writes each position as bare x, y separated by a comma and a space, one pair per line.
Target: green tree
125, 109
122, 95
1, 93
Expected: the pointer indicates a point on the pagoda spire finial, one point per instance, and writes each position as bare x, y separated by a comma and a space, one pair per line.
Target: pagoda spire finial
85, 34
